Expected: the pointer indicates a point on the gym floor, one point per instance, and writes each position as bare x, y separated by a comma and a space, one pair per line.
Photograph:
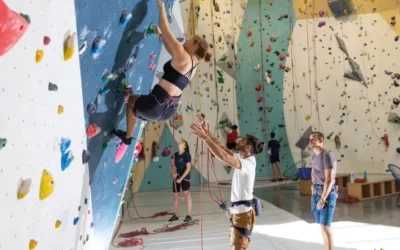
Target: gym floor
286, 222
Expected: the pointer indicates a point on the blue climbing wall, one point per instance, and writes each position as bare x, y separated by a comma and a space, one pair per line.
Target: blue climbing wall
158, 174
101, 18
273, 19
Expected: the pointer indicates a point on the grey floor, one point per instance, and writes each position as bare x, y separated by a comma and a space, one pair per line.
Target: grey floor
380, 211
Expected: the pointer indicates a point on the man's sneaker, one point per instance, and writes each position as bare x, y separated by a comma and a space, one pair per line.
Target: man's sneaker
187, 219
174, 218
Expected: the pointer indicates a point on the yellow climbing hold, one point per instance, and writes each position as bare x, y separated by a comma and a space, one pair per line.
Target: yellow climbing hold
69, 45
39, 55
46, 185
58, 224
24, 187
60, 109
32, 244
308, 118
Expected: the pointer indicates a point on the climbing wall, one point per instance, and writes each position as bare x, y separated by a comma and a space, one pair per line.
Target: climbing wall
344, 82
262, 58
121, 56
45, 196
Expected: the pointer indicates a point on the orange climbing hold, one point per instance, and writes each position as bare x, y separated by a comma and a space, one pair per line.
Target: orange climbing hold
60, 109
179, 118
32, 243
259, 99
269, 49
92, 130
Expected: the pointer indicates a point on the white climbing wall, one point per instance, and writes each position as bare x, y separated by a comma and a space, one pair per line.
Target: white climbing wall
338, 106
205, 95
30, 122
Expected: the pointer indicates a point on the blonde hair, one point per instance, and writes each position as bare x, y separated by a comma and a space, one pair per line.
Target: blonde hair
203, 48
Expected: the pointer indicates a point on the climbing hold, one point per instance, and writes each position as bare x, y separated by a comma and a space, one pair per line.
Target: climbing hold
24, 187
153, 56
46, 40
69, 45
115, 180
92, 130
252, 44
388, 72
3, 142
138, 149
258, 87
107, 76
321, 24
46, 185
32, 244
121, 150
385, 138
396, 101
125, 17
337, 142
60, 109
321, 13
91, 108
308, 118
13, 27
58, 224
39, 56
66, 160
282, 66
26, 17
64, 145
53, 87
83, 48
398, 150
97, 45
269, 48
282, 57
249, 33
396, 84
257, 67
76, 219
152, 66
165, 152
396, 38
259, 99
85, 156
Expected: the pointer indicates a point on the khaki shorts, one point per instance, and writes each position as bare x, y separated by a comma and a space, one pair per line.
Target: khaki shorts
242, 220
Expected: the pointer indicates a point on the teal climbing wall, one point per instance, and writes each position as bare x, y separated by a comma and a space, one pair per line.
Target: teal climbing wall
158, 175
255, 37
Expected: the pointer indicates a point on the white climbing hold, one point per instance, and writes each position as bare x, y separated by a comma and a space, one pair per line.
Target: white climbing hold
24, 187
83, 48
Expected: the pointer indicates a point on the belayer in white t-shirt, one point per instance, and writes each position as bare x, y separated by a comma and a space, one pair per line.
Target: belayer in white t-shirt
243, 162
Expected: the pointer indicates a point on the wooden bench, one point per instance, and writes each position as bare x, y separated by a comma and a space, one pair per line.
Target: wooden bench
373, 189
341, 180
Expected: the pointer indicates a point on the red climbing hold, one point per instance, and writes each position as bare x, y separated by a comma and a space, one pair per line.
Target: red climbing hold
259, 99
13, 27
251, 44
92, 130
46, 40
385, 138
269, 49
282, 57
249, 33
282, 66
259, 87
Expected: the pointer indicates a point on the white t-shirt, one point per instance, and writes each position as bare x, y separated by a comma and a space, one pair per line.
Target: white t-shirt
243, 184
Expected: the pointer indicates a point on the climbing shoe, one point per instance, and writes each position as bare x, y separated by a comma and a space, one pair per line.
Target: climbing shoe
121, 135
187, 219
174, 218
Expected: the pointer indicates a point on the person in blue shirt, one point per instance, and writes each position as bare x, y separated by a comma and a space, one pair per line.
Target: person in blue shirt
181, 166
273, 149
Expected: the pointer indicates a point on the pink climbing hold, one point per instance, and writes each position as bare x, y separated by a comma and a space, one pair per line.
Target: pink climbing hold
138, 148
152, 66
152, 56
46, 40
321, 13
120, 152
13, 27
165, 152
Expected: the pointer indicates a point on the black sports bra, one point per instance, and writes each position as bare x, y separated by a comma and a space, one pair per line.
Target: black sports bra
173, 76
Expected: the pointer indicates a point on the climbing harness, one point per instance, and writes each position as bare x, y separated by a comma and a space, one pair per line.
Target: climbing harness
256, 205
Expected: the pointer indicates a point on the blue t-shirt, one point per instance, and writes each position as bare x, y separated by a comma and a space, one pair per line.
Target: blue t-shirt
274, 146
180, 164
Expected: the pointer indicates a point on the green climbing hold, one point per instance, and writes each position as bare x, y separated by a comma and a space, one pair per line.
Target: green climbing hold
86, 201
223, 122
150, 30
3, 142
107, 76
220, 77
52, 87
27, 18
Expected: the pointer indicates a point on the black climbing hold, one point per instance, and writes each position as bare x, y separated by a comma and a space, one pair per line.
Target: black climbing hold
398, 150
85, 156
26, 17
281, 125
91, 108
52, 87
396, 38
396, 84
397, 76
79, 208
396, 101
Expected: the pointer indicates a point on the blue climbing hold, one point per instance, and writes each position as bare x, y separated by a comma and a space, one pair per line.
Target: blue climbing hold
125, 18
97, 45
66, 160
76, 219
222, 206
65, 143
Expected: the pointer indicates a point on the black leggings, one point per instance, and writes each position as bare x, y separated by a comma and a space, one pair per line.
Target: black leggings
156, 106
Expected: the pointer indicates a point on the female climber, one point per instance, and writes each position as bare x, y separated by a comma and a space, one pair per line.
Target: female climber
163, 101
181, 166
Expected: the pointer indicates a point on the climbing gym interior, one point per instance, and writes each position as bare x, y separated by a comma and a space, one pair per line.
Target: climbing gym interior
290, 67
